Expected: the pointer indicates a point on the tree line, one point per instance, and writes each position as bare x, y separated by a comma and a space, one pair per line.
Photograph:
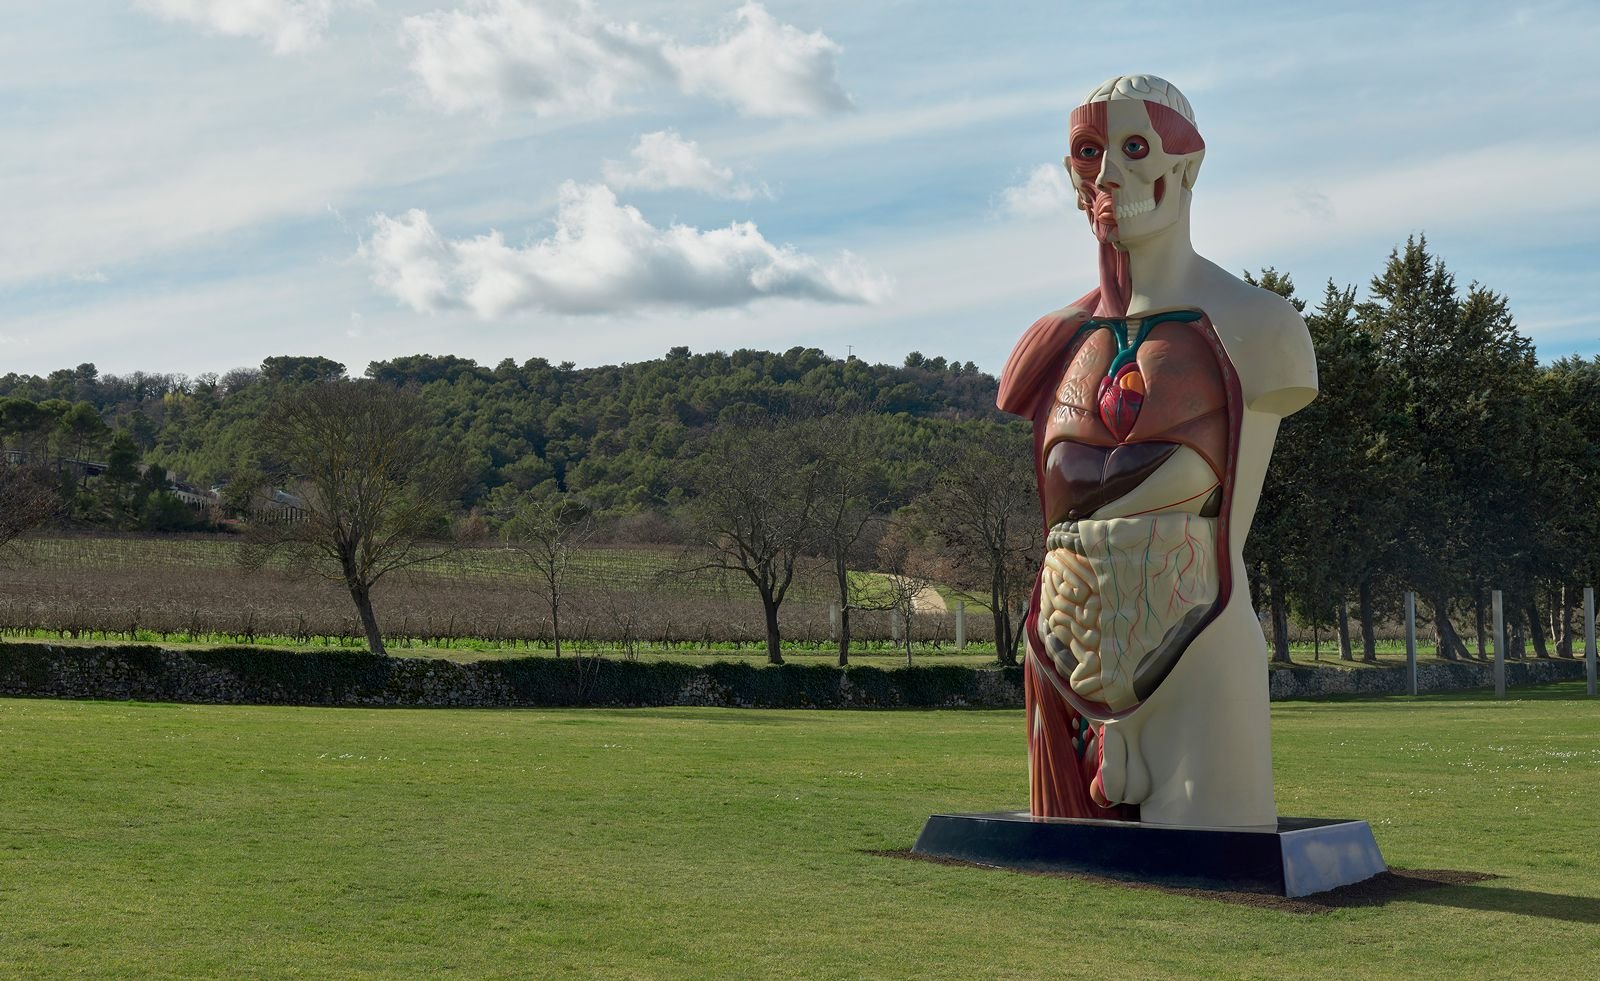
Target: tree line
771, 496
1440, 457
613, 433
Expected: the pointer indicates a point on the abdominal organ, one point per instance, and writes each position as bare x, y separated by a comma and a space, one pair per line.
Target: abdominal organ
1133, 461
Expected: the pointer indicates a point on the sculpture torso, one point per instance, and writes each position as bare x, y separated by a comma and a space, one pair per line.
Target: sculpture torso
1163, 702
1153, 424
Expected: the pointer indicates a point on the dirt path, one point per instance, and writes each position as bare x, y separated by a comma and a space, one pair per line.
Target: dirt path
927, 600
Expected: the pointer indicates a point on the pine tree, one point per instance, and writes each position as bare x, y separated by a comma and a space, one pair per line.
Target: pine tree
1458, 368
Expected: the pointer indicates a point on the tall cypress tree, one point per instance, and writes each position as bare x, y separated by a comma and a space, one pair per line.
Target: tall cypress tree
1459, 371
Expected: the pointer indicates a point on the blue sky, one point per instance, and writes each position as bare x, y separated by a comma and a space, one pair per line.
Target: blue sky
194, 185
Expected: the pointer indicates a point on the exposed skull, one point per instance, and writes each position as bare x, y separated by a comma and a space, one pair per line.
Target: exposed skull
1127, 179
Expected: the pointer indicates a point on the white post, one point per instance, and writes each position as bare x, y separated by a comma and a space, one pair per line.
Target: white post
1411, 639
894, 625
833, 619
961, 624
1499, 645
1588, 634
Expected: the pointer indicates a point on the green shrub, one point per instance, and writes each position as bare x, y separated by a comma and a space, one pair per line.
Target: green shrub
254, 675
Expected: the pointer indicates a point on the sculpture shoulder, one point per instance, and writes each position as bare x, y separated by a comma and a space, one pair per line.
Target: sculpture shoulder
1036, 360
1269, 345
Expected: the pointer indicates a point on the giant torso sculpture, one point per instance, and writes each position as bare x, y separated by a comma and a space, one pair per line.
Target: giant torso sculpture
1155, 400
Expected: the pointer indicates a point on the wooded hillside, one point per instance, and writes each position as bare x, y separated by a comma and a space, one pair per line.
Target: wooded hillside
615, 433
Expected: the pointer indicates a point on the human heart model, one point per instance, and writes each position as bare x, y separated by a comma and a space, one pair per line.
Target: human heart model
1155, 401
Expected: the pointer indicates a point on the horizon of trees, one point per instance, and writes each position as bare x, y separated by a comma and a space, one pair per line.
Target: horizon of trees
1440, 456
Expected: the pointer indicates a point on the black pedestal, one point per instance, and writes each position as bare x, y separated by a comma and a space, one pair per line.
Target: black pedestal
1300, 857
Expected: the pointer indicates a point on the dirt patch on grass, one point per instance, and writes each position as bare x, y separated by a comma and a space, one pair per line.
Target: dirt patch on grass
1376, 891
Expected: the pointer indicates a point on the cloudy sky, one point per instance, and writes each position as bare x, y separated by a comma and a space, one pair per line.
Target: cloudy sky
194, 185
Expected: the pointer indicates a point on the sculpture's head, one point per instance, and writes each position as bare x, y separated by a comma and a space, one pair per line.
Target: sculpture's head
1135, 154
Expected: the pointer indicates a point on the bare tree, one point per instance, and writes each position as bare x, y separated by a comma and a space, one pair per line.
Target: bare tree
908, 575
373, 491
545, 533
755, 508
983, 514
853, 502
28, 498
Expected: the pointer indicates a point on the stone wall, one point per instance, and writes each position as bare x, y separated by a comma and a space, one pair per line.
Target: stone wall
1299, 682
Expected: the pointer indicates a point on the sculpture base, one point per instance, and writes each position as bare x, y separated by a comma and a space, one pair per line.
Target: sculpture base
1299, 857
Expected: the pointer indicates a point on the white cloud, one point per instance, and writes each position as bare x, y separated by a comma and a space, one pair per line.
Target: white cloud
287, 25
412, 261
895, 123
603, 257
1046, 192
562, 57
546, 56
120, 210
91, 276
663, 160
1447, 193
96, 180
765, 68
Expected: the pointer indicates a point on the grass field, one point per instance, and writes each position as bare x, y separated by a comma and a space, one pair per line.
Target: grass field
144, 840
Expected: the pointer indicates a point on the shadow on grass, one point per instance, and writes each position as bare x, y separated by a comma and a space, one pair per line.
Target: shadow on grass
1558, 691
1440, 887
1524, 902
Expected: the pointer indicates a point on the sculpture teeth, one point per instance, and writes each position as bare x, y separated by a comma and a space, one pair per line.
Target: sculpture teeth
1136, 208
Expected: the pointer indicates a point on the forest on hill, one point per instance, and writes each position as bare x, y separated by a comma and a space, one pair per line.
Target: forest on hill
615, 434
1441, 457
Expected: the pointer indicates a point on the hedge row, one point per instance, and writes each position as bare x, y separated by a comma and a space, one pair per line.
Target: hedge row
266, 676
257, 676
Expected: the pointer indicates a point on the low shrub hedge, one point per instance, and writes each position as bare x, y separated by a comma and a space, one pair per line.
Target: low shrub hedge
254, 675
267, 676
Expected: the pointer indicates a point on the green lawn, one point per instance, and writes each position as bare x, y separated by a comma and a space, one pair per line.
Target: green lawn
220, 841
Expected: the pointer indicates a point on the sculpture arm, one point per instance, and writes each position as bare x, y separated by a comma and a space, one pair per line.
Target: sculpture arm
1271, 349
1292, 379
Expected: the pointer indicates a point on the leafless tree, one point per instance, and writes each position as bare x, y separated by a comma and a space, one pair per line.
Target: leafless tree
372, 487
983, 515
28, 498
853, 503
757, 490
908, 575
545, 533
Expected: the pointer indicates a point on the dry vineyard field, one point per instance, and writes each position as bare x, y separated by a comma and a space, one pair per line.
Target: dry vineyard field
473, 603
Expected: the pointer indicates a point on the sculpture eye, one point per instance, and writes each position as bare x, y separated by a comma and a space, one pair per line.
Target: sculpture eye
1136, 148
1088, 151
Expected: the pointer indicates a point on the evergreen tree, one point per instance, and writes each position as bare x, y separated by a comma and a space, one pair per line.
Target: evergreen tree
1276, 548
1460, 373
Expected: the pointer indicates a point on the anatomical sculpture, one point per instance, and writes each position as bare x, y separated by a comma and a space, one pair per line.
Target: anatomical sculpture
1155, 400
